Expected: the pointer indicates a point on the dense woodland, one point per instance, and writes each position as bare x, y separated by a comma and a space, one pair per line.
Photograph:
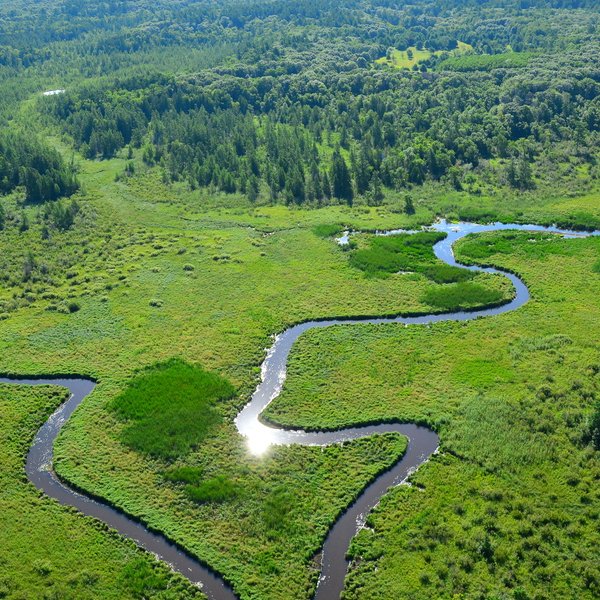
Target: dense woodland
286, 103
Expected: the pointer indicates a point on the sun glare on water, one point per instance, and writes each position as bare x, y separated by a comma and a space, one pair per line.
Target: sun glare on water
259, 440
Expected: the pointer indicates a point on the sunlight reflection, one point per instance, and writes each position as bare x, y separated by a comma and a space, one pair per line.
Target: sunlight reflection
259, 439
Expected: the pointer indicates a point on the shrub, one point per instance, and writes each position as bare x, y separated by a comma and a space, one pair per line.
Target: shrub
325, 230
189, 475
73, 307
594, 427
170, 408
277, 509
460, 295
141, 580
217, 489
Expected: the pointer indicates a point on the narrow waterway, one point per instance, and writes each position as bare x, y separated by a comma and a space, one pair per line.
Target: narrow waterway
422, 442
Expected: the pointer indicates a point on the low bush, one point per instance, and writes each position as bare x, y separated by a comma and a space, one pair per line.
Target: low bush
217, 489
170, 408
594, 427
461, 295
189, 475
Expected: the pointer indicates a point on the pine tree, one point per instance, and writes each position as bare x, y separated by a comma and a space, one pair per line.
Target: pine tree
341, 184
376, 196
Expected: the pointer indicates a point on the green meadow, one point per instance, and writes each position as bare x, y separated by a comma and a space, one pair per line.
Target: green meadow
157, 275
412, 56
512, 497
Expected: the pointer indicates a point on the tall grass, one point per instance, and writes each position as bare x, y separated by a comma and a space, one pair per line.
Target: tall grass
170, 408
414, 253
460, 295
326, 230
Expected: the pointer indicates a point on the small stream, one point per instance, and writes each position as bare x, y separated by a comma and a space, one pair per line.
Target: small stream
422, 442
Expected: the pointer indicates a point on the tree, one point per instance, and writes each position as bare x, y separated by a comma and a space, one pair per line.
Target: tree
518, 174
2, 217
375, 196
24, 223
594, 427
409, 206
252, 188
341, 184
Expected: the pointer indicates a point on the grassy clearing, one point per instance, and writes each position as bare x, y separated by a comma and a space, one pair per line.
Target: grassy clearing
170, 408
508, 509
48, 551
407, 59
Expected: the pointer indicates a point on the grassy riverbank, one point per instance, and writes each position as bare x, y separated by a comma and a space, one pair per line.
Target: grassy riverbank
48, 551
510, 504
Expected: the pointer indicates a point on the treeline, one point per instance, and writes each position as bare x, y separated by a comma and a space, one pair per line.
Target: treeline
310, 125
25, 161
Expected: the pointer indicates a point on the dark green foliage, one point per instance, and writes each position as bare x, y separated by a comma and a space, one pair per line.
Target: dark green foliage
594, 426
487, 62
327, 230
189, 475
2, 217
596, 267
441, 273
390, 254
61, 215
217, 489
277, 509
73, 307
341, 184
24, 161
413, 253
141, 580
170, 408
460, 295
307, 118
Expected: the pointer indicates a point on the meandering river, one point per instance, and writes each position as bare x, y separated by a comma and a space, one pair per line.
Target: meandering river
422, 442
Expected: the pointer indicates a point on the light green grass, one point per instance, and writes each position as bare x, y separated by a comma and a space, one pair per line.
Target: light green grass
407, 59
